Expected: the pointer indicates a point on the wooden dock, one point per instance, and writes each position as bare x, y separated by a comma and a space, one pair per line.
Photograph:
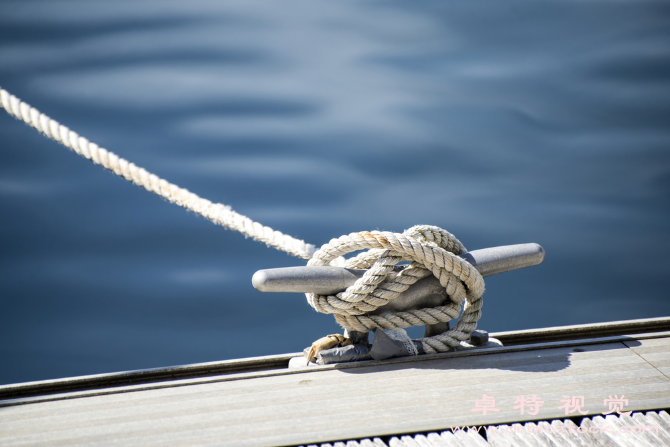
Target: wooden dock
406, 401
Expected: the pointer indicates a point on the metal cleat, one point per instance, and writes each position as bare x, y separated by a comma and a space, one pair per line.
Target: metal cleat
327, 280
425, 293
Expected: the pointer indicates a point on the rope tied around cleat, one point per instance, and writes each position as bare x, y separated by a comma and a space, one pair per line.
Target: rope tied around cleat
430, 250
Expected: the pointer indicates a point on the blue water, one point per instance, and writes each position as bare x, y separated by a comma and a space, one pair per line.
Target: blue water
502, 121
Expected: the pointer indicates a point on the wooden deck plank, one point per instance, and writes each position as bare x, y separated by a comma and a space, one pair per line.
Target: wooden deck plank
307, 385
656, 352
315, 406
319, 387
240, 413
199, 420
51, 390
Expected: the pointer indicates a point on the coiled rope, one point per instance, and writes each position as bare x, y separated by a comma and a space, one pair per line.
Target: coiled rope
429, 249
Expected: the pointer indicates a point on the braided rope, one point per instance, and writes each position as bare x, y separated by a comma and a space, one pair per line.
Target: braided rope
216, 212
430, 250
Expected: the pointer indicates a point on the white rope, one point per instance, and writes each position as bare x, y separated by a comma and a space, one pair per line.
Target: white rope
216, 212
430, 249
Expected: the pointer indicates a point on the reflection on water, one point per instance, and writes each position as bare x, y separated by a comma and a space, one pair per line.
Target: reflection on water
503, 122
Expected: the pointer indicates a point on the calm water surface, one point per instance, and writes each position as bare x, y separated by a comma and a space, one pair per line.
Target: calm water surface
502, 121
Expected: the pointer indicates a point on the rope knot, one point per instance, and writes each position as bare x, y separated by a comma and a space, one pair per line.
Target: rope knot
430, 250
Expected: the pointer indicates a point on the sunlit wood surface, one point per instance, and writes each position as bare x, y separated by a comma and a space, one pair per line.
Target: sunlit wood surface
368, 400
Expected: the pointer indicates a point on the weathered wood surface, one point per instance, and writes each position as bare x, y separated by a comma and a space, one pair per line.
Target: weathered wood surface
654, 351
612, 331
322, 404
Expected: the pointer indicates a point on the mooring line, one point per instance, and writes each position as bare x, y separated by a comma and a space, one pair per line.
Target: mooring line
216, 212
430, 249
